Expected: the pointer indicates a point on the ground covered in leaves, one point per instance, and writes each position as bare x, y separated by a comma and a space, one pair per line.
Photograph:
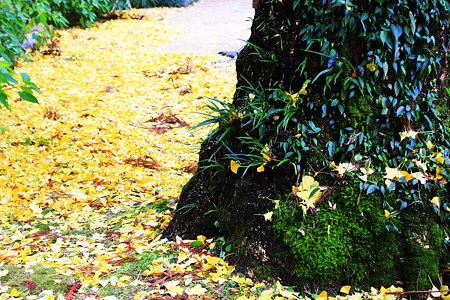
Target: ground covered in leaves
90, 176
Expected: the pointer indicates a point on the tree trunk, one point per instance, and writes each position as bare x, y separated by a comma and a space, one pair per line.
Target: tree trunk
341, 238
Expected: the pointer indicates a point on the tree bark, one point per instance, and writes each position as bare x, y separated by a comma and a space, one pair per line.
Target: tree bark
344, 239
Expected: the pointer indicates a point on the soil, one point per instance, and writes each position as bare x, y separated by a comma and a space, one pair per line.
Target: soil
210, 26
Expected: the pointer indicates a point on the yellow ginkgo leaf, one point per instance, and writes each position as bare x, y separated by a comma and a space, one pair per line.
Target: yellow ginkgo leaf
436, 202
407, 176
420, 177
367, 171
409, 133
345, 289
386, 213
435, 292
265, 153
421, 165
307, 182
234, 165
393, 174
343, 168
268, 216
260, 169
201, 238
197, 290
304, 195
438, 175
444, 296
14, 293
439, 158
363, 177
322, 296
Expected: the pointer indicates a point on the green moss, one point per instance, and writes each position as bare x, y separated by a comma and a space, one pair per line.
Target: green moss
359, 108
442, 108
347, 245
423, 248
34, 279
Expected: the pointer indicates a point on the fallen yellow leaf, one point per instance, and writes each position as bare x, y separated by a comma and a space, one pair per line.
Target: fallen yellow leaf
322, 296
14, 293
345, 289
234, 165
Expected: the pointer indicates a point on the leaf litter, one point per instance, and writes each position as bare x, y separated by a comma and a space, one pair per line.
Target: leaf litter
90, 177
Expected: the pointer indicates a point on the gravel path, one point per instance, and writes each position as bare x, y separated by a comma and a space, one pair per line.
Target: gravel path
211, 26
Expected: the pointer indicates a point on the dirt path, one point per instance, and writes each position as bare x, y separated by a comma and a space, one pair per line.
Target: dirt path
211, 26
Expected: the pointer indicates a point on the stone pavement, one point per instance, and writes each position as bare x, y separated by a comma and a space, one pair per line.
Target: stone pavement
210, 26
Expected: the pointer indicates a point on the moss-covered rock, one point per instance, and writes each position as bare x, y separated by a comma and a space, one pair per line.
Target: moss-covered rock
348, 244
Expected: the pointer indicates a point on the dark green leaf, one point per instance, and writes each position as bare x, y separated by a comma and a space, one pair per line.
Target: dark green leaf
4, 100
28, 97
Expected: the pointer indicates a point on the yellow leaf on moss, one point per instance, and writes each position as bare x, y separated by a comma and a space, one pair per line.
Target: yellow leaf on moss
345, 289
322, 296
308, 182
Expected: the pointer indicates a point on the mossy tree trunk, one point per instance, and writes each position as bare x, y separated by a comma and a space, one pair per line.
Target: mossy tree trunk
322, 83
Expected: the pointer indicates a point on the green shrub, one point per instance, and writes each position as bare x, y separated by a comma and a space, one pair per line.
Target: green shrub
84, 12
24, 89
16, 22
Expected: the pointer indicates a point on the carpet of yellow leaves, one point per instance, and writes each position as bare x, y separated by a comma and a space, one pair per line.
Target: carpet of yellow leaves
110, 136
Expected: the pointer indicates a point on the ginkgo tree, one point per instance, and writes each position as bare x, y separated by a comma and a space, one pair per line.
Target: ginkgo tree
336, 129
